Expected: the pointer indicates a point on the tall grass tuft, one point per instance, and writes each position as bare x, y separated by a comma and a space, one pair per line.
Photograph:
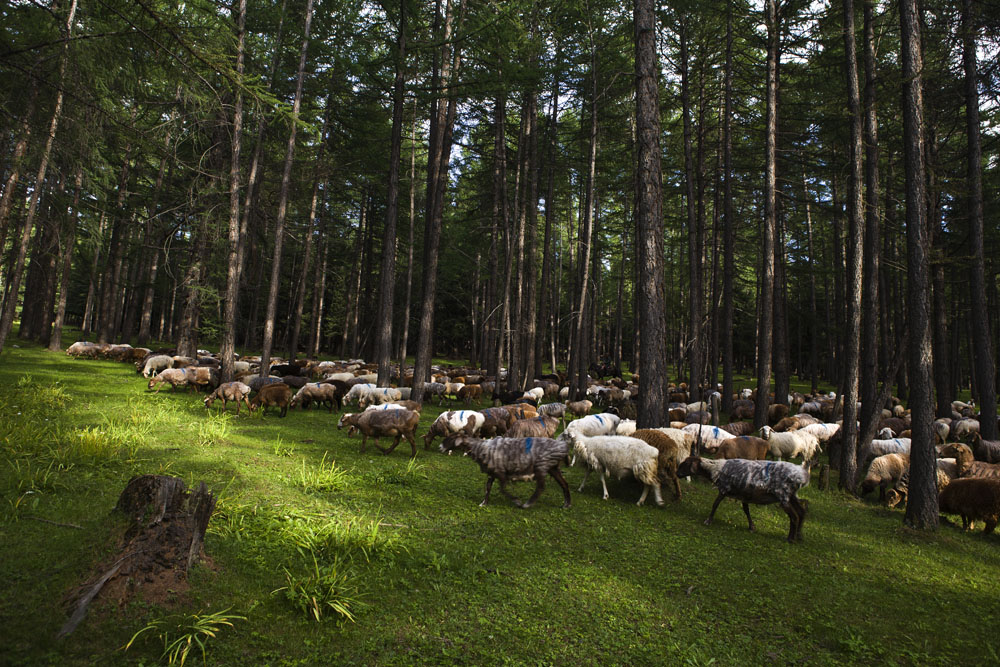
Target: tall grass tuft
323, 588
214, 429
181, 635
324, 478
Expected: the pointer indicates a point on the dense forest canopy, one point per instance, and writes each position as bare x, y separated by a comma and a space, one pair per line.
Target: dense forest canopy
150, 170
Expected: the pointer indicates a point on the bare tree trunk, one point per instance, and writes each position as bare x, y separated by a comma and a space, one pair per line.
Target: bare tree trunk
529, 314
982, 350
404, 339
279, 225
855, 215
649, 222
764, 328
69, 240
233, 268
813, 336
546, 309
693, 229
10, 300
921, 507
730, 223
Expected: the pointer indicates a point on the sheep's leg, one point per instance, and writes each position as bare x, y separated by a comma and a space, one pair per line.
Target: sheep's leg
489, 487
604, 486
991, 524
715, 506
677, 488
364, 441
395, 443
539, 485
585, 476
503, 489
642, 498
800, 510
657, 495
746, 510
557, 475
413, 445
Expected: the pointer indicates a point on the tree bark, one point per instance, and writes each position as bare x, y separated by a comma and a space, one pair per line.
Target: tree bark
982, 349
921, 507
649, 223
694, 230
69, 241
728, 244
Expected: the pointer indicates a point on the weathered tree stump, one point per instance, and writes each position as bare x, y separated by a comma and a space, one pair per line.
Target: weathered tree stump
164, 538
824, 477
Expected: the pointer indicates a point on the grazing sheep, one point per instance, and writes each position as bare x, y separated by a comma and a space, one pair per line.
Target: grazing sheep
791, 444
320, 393
886, 446
947, 470
497, 421
537, 427
710, 436
295, 381
376, 423
377, 395
776, 412
666, 462
579, 408
744, 447
202, 376
619, 456
466, 422
823, 432
230, 391
625, 427
258, 383
738, 428
985, 450
884, 472
967, 465
535, 393
470, 393
758, 482
357, 392
514, 459
175, 377
964, 428
156, 363
82, 348
277, 394
973, 498
434, 389
557, 410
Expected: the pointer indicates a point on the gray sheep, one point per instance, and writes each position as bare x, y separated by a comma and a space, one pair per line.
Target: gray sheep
376, 423
537, 427
514, 459
230, 391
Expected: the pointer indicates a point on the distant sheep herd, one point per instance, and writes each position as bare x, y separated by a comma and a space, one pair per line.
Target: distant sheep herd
516, 439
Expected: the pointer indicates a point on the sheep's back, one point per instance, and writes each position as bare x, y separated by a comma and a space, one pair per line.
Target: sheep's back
518, 456
741, 478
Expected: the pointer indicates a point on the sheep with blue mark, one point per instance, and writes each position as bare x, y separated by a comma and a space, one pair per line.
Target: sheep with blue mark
757, 482
514, 459
466, 422
538, 427
618, 456
710, 436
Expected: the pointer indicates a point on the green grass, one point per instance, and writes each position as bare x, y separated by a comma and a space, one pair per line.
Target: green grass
427, 575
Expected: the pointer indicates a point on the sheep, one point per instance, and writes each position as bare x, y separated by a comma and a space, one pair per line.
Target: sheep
513, 459
538, 427
343, 377
738, 428
666, 461
973, 498
985, 450
791, 444
744, 447
320, 393
683, 440
258, 383
884, 446
277, 394
591, 425
467, 422
776, 412
710, 436
202, 376
497, 421
156, 363
82, 348
357, 392
941, 430
758, 482
175, 377
536, 393
579, 408
967, 466
884, 471
375, 423
947, 470
181, 361
795, 423
434, 389
451, 390
230, 391
520, 411
470, 393
823, 432
619, 456
376, 395
557, 410
625, 427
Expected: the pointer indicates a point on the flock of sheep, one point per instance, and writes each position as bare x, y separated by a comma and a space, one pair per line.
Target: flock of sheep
517, 438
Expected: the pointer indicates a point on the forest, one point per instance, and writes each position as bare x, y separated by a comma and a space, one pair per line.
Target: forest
778, 202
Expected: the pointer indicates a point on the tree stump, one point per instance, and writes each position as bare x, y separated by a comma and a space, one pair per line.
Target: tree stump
164, 538
824, 477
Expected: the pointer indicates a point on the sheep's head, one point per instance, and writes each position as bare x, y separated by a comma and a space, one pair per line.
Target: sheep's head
895, 497
689, 466
456, 442
153, 381
209, 400
766, 431
347, 419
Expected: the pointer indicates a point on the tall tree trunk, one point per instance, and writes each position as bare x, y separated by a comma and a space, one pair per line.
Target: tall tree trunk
107, 322
921, 507
69, 240
982, 349
694, 231
855, 215
90, 306
442, 121
233, 268
764, 327
869, 363
728, 244
530, 311
387, 274
649, 223
10, 300
814, 347
404, 338
279, 223
546, 309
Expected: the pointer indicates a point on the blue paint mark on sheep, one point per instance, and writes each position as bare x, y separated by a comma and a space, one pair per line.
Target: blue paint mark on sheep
599, 419
527, 445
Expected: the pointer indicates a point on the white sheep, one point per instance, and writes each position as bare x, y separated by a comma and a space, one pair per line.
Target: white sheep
619, 456
791, 444
157, 363
963, 428
357, 393
711, 436
536, 394
343, 377
467, 422
885, 446
377, 395
625, 427
823, 432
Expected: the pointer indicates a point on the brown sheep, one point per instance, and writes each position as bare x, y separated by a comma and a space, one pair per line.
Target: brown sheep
743, 447
579, 408
985, 450
739, 428
230, 391
202, 376
320, 393
967, 465
536, 427
497, 422
377, 423
972, 499
521, 410
666, 462
277, 394
776, 412
410, 405
470, 393
175, 377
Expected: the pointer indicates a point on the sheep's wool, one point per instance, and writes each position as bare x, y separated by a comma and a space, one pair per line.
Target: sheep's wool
777, 478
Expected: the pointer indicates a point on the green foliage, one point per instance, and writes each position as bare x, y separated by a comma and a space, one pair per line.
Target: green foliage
180, 635
214, 429
327, 588
323, 478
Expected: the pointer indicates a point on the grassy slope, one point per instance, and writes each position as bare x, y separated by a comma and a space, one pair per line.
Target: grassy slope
444, 580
